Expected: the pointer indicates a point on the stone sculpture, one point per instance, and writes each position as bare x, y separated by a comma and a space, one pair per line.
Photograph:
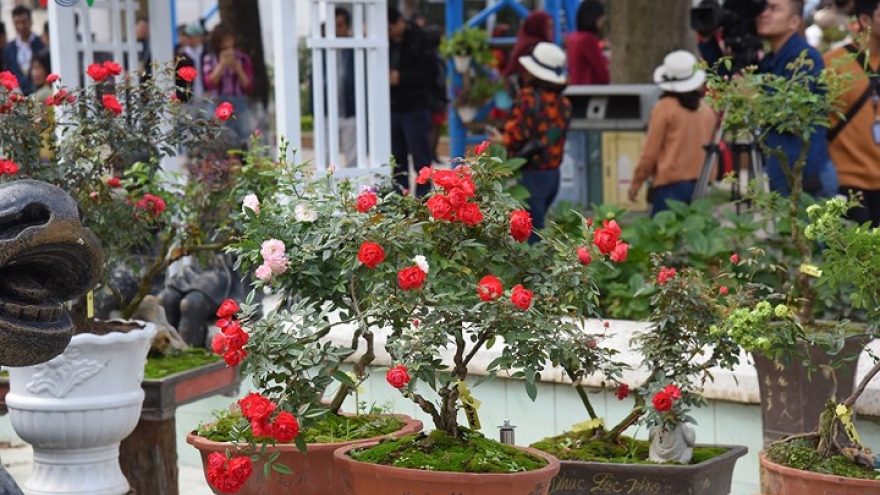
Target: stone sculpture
675, 445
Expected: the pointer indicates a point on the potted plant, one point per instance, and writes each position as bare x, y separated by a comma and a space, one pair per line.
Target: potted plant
478, 90
831, 457
102, 144
679, 353
469, 44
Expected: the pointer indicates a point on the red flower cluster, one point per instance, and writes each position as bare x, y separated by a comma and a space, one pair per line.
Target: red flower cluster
607, 239
51, 78
8, 167
100, 72
459, 187
224, 111
622, 391
61, 97
231, 339
411, 278
397, 376
114, 182
489, 288
228, 475
258, 411
153, 204
8, 80
665, 274
520, 225
664, 399
366, 201
371, 254
111, 103
188, 74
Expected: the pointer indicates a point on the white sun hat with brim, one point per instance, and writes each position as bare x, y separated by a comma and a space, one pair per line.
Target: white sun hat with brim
679, 73
547, 63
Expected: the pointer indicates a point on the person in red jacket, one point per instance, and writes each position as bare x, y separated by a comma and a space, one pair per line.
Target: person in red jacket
587, 63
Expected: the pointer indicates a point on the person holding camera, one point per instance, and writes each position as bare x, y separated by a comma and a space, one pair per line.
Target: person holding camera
537, 128
854, 140
680, 124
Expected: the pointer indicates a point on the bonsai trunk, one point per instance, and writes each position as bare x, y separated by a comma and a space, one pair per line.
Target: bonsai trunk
794, 175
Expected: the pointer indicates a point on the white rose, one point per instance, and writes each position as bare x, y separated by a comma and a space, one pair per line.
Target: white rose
305, 214
251, 201
421, 262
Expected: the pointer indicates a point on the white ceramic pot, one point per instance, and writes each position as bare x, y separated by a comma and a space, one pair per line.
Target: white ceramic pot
462, 63
76, 409
467, 114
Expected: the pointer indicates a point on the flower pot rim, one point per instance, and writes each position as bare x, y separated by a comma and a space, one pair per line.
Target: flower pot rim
410, 425
733, 452
786, 471
551, 469
117, 337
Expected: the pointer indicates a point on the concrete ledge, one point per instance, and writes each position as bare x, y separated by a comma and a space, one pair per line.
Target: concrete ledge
739, 385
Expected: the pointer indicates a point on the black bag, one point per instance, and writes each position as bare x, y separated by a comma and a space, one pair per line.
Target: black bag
533, 147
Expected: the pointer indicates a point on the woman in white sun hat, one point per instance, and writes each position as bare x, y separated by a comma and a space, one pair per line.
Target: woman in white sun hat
537, 127
681, 123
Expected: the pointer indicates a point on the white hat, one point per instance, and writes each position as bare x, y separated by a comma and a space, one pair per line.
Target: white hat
679, 74
546, 62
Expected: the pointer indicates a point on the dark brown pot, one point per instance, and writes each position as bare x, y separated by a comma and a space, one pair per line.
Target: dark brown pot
793, 398
314, 473
781, 480
362, 478
711, 477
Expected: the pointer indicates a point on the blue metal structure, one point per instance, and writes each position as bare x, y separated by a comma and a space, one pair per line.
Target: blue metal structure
458, 138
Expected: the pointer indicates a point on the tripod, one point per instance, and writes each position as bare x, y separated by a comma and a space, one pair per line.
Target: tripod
748, 162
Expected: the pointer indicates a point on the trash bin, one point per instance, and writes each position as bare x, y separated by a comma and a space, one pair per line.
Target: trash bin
604, 142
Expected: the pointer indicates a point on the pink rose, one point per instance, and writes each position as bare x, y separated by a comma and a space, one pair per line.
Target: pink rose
263, 272
272, 249
252, 202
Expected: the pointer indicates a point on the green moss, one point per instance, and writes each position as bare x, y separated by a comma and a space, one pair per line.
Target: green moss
437, 451
161, 367
327, 429
582, 446
801, 454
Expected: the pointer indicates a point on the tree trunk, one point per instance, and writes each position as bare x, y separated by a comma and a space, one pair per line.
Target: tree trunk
244, 18
643, 32
148, 458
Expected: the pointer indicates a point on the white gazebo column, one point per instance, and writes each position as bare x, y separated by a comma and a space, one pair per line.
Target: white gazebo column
161, 31
62, 36
288, 112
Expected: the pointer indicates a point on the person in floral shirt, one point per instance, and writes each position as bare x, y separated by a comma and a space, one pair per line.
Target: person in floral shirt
537, 127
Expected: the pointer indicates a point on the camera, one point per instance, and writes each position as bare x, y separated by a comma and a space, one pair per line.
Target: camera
737, 20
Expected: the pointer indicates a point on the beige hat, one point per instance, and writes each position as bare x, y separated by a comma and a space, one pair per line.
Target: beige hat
546, 62
679, 74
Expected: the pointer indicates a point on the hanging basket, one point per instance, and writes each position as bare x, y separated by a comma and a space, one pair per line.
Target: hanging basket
462, 63
467, 114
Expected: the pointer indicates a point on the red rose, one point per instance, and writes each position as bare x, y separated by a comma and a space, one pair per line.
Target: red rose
446, 179
410, 278
619, 253
97, 72
520, 225
8, 80
371, 254
114, 182
722, 290
71, 98
584, 255
188, 74
365, 201
397, 376
665, 274
662, 401
440, 207
8, 167
227, 308
489, 288
224, 111
153, 204
111, 103
236, 337
224, 322
673, 391
255, 407
233, 357
734, 258
424, 175
240, 469
606, 238
112, 68
467, 186
225, 484
470, 214
216, 460
622, 391
457, 197
480, 148
285, 428
261, 428
521, 297
218, 343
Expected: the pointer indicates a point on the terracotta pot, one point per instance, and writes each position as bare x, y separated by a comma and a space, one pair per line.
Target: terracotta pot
782, 480
314, 473
362, 478
712, 477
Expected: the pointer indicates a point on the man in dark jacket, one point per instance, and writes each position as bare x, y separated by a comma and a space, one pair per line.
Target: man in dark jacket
413, 74
19, 53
